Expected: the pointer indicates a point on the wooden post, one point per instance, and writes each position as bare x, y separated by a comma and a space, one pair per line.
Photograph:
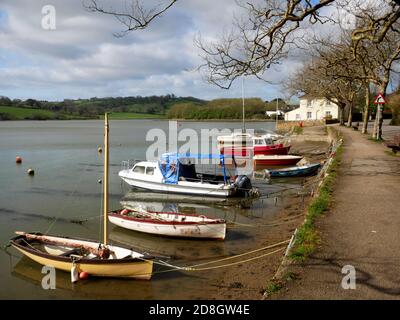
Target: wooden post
105, 182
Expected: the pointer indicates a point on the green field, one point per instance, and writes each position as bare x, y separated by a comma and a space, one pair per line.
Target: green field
131, 115
13, 113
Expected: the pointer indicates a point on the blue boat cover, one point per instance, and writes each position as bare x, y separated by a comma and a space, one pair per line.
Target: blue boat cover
170, 164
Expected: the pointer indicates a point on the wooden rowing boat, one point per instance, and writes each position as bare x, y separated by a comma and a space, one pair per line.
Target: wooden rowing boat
169, 224
275, 160
296, 171
87, 256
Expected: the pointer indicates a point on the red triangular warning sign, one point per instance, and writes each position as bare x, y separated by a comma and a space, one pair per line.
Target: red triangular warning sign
379, 99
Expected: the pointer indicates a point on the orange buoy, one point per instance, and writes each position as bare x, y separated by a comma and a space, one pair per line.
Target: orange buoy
18, 159
83, 275
30, 171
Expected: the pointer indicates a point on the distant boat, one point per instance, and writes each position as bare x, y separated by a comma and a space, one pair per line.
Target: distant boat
176, 173
275, 160
297, 171
77, 255
169, 224
279, 149
242, 144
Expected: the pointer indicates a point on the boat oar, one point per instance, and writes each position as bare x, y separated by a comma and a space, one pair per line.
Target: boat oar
99, 251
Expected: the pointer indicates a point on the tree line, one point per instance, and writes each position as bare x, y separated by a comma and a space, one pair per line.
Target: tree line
223, 109
94, 107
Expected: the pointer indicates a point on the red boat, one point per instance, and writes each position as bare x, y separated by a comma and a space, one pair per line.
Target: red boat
275, 160
279, 149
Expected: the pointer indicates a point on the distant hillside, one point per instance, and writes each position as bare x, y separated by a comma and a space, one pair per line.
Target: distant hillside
220, 109
128, 107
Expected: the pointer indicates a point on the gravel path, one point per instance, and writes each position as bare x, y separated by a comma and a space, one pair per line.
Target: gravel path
362, 229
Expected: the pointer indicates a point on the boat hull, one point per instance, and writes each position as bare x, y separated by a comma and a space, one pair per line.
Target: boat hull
267, 161
295, 171
130, 268
257, 150
172, 229
182, 187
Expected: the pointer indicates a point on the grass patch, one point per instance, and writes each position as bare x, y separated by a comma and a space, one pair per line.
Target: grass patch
14, 113
132, 115
307, 237
272, 287
298, 130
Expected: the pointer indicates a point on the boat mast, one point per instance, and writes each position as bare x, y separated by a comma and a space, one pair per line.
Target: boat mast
105, 179
276, 118
244, 127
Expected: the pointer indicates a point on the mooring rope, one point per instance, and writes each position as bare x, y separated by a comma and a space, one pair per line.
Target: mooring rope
196, 266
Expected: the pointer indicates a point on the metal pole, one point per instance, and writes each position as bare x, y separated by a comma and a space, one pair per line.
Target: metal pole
105, 182
277, 108
378, 111
244, 127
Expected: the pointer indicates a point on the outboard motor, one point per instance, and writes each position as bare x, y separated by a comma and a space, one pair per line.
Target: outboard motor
243, 185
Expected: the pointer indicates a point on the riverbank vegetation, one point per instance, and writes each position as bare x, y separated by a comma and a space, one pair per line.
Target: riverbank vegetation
307, 237
126, 107
219, 109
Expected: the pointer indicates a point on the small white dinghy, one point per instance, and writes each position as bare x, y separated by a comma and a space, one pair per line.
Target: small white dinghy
169, 223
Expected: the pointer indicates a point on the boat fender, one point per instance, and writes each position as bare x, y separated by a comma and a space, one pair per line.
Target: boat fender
74, 273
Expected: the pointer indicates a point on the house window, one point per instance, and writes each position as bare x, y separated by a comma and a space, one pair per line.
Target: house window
297, 116
309, 115
328, 113
309, 102
328, 103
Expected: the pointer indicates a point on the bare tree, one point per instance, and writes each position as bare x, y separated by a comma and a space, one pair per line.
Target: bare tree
134, 15
259, 40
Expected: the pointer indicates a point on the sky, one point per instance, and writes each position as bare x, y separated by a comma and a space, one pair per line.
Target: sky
82, 58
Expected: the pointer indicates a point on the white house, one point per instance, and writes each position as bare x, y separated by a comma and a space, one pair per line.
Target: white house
313, 108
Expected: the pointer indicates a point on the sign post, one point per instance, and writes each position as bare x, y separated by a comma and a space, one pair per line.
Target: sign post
379, 101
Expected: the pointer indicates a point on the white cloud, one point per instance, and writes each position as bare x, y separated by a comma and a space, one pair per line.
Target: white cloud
82, 58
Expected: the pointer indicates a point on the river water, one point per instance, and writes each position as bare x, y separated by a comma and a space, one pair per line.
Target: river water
65, 189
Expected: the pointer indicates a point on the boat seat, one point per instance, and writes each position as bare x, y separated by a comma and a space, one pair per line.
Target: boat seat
76, 251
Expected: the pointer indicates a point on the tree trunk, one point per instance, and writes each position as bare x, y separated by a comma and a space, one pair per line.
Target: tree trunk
350, 118
366, 110
341, 115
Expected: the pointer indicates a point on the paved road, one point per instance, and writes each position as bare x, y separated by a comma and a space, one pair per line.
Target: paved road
361, 229
387, 131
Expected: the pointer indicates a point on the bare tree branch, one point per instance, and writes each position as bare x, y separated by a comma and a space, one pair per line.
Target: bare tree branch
134, 16
259, 42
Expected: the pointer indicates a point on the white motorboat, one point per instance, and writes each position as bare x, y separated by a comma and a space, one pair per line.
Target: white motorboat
176, 173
